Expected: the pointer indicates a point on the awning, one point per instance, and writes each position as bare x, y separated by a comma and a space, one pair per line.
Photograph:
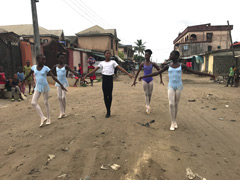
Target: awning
98, 55
121, 60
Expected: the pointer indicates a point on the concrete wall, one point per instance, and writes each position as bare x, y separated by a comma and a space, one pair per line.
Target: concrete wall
85, 64
76, 58
222, 64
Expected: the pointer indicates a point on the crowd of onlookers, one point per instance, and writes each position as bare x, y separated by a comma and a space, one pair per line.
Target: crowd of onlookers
15, 84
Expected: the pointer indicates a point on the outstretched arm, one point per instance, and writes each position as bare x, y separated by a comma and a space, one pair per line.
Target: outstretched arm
157, 67
29, 74
69, 69
55, 79
139, 69
154, 74
123, 70
91, 72
197, 72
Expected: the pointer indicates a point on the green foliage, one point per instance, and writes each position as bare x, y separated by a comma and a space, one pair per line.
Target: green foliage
120, 54
138, 58
140, 47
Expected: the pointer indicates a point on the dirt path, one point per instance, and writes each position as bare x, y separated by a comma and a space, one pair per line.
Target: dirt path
207, 140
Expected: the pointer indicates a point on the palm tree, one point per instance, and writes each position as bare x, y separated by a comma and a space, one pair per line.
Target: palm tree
140, 48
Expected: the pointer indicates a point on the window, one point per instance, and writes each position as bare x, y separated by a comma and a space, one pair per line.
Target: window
209, 48
219, 47
45, 40
193, 37
209, 36
185, 47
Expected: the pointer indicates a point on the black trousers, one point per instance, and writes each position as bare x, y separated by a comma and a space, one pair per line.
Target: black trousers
230, 78
107, 87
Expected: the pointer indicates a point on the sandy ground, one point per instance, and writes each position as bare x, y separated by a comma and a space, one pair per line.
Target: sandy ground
207, 140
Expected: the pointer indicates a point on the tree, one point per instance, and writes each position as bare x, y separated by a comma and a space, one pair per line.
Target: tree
140, 47
120, 54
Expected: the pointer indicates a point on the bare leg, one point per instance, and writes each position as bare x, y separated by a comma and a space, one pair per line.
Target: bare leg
172, 106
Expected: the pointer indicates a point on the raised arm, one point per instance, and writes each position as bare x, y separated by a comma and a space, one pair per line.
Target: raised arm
91, 72
155, 73
123, 70
196, 72
55, 79
139, 69
158, 68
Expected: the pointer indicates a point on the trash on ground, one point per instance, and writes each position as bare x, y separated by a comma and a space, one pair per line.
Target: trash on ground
108, 166
115, 166
233, 120
64, 176
221, 119
65, 148
105, 167
86, 178
191, 175
209, 95
214, 108
51, 156
10, 151
226, 105
191, 100
147, 124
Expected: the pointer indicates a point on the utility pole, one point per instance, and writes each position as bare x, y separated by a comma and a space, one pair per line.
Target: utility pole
35, 27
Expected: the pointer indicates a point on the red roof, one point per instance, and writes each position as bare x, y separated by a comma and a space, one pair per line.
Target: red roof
236, 44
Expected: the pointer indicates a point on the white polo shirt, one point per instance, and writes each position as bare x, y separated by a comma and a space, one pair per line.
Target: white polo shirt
108, 67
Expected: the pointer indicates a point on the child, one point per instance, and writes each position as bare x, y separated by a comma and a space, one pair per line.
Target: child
20, 76
79, 73
2, 81
42, 87
27, 70
147, 83
61, 70
8, 84
108, 67
15, 87
91, 61
231, 76
175, 84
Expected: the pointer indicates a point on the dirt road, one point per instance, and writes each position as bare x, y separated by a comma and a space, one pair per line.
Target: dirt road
207, 140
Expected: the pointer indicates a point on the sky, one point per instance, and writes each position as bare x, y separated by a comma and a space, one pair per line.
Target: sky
156, 22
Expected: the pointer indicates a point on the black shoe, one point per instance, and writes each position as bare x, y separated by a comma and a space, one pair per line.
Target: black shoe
107, 116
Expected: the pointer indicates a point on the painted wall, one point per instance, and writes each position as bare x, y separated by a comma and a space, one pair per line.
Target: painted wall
26, 52
76, 58
210, 64
70, 58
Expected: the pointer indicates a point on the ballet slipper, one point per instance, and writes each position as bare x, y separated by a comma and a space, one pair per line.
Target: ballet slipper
48, 122
172, 128
60, 116
175, 125
147, 109
42, 122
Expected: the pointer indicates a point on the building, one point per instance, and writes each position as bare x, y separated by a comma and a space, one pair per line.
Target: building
46, 36
127, 51
98, 39
202, 38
